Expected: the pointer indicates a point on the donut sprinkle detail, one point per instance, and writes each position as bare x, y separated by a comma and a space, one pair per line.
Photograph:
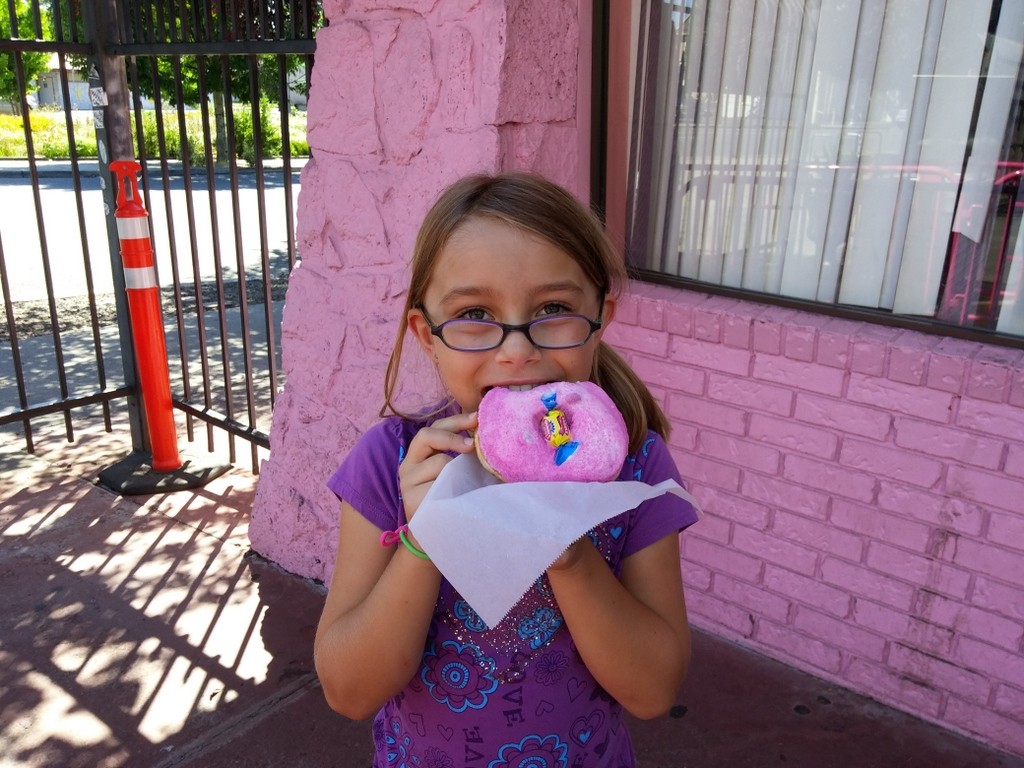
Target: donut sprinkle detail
555, 427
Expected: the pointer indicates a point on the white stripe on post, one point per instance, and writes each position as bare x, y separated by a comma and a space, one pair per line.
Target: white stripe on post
139, 277
134, 228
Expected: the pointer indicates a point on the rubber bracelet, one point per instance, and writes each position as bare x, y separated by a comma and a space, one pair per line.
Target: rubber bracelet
390, 538
409, 545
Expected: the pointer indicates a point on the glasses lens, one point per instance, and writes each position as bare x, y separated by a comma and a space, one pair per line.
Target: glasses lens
560, 331
470, 334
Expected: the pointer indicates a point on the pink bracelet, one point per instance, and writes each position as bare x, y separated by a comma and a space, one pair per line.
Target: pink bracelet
400, 534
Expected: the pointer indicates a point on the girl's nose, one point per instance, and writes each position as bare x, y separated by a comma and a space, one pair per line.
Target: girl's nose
517, 348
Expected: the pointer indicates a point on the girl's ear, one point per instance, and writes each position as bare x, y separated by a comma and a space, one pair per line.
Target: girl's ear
421, 330
607, 314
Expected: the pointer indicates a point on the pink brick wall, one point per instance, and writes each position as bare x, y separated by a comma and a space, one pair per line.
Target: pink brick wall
864, 490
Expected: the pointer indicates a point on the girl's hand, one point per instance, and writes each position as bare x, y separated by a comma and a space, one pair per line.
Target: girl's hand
426, 456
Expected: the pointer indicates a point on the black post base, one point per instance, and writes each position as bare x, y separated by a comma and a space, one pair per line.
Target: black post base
134, 475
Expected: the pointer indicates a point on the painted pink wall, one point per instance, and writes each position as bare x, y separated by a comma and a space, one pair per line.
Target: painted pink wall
863, 488
862, 484
405, 98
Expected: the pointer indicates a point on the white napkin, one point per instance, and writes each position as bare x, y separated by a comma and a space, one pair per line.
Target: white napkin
492, 540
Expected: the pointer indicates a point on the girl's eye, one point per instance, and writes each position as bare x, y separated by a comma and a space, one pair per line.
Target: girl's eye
554, 308
474, 313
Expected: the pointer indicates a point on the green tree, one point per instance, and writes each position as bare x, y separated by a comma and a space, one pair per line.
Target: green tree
33, 63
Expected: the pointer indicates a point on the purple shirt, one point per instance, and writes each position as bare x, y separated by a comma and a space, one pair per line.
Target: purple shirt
518, 694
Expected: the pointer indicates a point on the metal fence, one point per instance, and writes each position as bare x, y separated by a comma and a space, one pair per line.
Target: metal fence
209, 96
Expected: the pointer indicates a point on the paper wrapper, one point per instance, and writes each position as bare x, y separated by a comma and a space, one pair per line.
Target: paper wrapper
492, 540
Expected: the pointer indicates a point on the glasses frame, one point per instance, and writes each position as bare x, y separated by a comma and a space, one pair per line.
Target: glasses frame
506, 329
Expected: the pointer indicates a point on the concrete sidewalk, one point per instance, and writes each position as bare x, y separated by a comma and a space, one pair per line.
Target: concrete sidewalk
142, 632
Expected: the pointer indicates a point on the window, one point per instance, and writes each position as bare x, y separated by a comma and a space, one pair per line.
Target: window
855, 153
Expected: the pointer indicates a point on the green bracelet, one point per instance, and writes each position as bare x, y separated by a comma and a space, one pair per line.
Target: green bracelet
409, 545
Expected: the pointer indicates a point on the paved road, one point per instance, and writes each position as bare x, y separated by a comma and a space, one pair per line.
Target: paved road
56, 212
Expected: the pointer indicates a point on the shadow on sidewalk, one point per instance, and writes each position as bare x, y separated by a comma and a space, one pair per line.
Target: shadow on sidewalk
142, 631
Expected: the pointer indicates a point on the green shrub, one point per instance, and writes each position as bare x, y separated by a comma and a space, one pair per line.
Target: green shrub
151, 138
51, 147
50, 139
299, 147
172, 138
39, 121
10, 123
86, 147
11, 146
245, 141
12, 136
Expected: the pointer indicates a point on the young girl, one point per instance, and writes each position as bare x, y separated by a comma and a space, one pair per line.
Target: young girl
605, 628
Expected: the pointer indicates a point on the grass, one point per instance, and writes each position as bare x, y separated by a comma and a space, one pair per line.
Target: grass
50, 138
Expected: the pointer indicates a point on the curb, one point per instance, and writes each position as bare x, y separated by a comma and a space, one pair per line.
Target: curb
48, 169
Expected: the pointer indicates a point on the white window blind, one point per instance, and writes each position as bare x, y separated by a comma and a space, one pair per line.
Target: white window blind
833, 150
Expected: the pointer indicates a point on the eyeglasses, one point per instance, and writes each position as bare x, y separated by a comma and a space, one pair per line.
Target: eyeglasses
548, 332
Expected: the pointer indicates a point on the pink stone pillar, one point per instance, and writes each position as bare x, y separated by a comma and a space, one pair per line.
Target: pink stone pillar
405, 98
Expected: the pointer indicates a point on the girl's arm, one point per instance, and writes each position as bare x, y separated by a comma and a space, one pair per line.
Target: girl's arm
370, 639
633, 635
372, 632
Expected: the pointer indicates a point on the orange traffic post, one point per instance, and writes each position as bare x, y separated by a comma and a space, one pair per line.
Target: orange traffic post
146, 319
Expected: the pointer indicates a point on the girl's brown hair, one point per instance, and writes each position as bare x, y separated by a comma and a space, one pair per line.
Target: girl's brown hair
532, 203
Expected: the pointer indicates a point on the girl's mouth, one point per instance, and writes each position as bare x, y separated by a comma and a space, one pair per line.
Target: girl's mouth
514, 387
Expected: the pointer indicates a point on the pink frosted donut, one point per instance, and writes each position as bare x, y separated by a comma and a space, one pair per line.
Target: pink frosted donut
560, 431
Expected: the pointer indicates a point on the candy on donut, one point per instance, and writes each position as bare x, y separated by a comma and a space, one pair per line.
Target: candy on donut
561, 431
